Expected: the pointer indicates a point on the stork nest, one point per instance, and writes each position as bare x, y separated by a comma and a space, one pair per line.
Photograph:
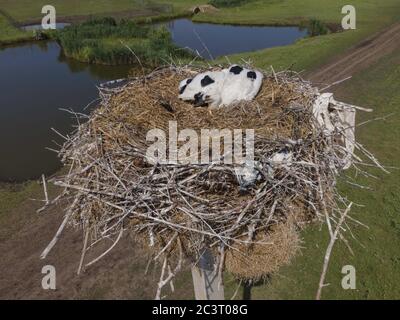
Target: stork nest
179, 209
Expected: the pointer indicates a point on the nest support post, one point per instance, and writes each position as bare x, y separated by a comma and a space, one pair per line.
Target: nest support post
207, 281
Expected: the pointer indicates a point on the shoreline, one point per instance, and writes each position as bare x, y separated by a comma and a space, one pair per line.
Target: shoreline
141, 19
151, 19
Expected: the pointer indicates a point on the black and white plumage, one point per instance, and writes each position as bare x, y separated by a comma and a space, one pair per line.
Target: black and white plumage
203, 89
221, 88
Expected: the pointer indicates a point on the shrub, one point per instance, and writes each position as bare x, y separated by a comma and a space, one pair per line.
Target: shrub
316, 27
99, 41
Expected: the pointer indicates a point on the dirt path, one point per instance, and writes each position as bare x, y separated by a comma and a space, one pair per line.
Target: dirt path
120, 275
359, 57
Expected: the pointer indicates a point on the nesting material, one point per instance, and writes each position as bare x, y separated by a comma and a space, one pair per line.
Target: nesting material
269, 251
178, 209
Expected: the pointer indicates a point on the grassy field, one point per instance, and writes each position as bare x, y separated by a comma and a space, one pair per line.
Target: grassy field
10, 34
23, 10
11, 195
372, 15
293, 11
28, 11
376, 250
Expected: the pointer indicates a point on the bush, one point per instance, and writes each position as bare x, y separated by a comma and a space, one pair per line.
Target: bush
316, 27
103, 41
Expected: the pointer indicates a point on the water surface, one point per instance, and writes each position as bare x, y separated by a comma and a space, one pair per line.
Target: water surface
215, 40
35, 81
31, 27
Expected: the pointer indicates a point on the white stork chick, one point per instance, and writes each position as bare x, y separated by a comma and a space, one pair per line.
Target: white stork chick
221, 88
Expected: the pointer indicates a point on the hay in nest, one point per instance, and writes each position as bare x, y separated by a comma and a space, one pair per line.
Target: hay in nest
178, 209
268, 252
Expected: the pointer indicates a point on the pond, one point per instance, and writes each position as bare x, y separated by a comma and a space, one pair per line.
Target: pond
36, 80
213, 40
32, 27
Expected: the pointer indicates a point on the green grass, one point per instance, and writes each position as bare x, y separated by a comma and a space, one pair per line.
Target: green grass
305, 54
376, 250
30, 10
10, 34
22, 10
11, 195
228, 3
372, 15
293, 11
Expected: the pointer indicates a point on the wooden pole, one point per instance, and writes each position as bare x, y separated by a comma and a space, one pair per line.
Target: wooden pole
207, 281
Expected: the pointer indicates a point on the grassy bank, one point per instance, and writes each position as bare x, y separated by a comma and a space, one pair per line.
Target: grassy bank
292, 11
105, 41
74, 11
376, 249
372, 16
30, 10
10, 34
11, 195
308, 53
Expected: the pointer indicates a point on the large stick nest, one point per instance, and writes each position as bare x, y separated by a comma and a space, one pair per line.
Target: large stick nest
178, 209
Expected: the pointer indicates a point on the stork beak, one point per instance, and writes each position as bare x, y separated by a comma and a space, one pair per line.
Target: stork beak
199, 100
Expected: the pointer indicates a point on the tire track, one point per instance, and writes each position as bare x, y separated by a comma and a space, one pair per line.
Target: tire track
359, 57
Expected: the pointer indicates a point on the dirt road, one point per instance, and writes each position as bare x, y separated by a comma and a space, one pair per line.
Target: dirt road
359, 57
120, 275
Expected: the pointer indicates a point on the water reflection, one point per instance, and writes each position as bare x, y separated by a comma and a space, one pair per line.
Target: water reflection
36, 80
34, 27
215, 40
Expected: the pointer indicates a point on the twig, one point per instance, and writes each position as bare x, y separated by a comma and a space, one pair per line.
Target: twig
55, 239
329, 252
85, 242
45, 189
108, 250
336, 83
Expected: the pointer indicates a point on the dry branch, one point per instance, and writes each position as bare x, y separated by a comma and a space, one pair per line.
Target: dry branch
329, 249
